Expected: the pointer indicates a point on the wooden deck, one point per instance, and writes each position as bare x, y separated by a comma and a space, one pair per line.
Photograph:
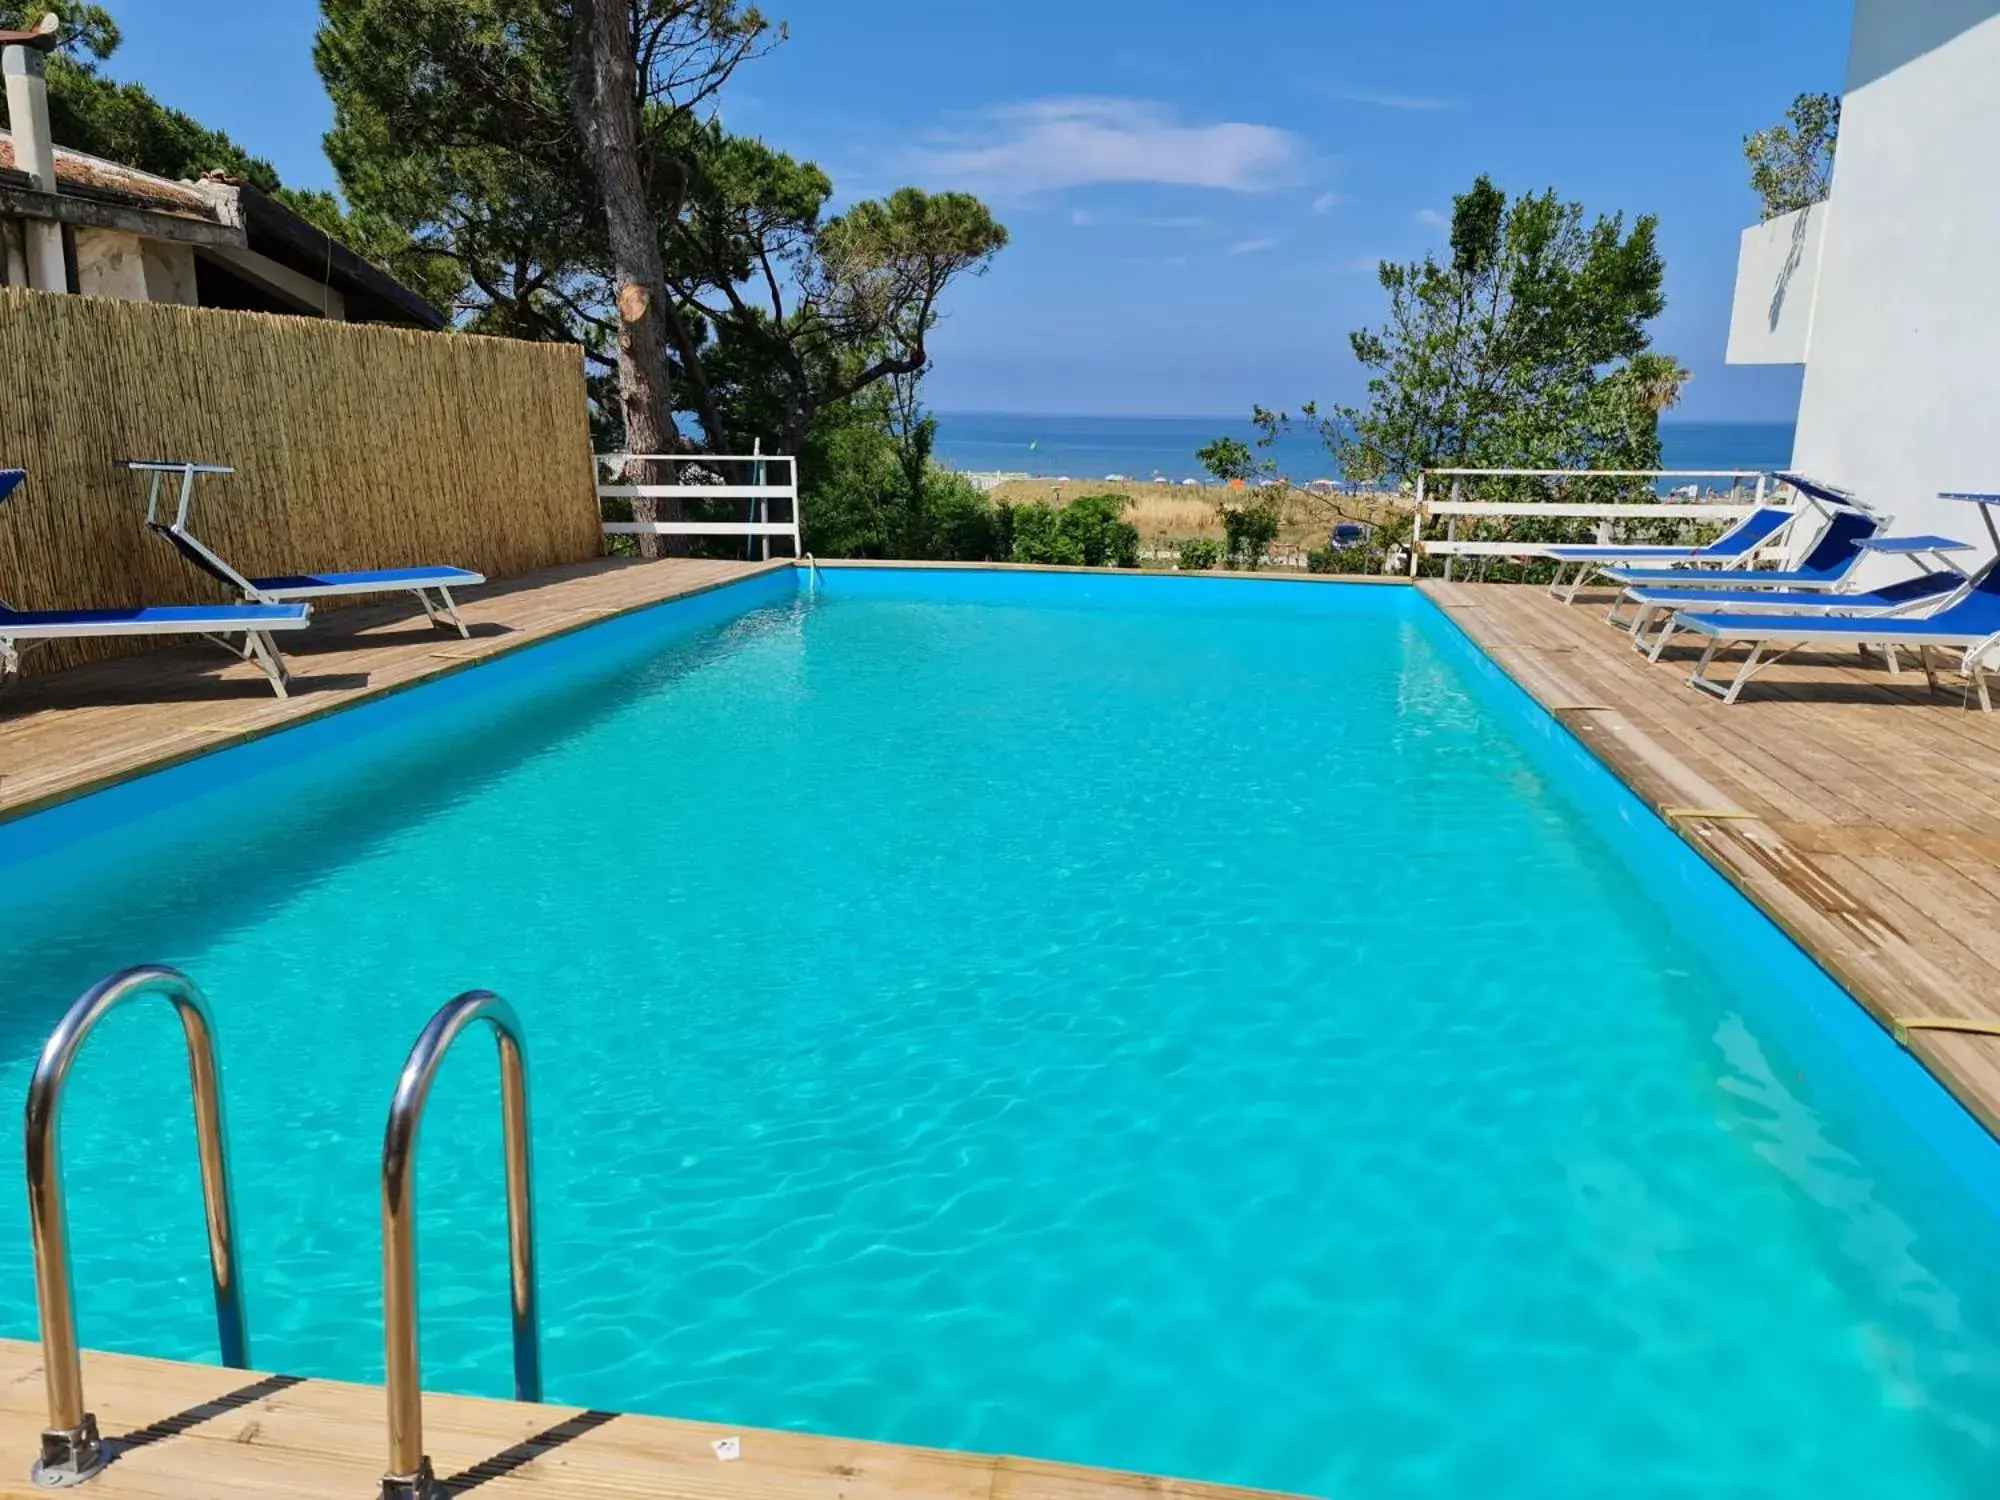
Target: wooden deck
194, 1432
72, 732
1859, 810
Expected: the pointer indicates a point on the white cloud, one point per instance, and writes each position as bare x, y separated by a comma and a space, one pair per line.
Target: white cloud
1048, 144
1433, 218
1417, 102
1326, 203
1252, 247
1082, 218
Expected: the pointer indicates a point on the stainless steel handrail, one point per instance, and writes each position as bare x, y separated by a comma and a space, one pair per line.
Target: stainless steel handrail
71, 1448
410, 1476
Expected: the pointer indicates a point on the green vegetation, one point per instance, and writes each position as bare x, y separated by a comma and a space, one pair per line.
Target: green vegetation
865, 506
1356, 557
1230, 460
1249, 526
1252, 502
863, 500
1085, 533
622, 215
564, 167
1525, 348
1198, 555
1791, 164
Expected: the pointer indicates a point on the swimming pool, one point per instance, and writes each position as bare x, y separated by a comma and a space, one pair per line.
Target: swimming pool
1211, 1028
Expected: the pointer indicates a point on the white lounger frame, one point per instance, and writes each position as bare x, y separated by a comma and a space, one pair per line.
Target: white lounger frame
1668, 615
1762, 655
16, 640
442, 611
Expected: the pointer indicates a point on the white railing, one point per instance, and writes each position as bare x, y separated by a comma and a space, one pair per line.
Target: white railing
1450, 547
759, 492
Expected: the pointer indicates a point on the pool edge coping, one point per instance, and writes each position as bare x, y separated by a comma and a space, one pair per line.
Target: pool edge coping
915, 565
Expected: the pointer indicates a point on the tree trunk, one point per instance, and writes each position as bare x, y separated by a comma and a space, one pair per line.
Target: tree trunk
605, 98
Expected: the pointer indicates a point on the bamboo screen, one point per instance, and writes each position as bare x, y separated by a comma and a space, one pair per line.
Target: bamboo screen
354, 447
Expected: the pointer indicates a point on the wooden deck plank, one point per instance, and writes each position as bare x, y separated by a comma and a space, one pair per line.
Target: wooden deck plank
74, 732
324, 1440
1875, 835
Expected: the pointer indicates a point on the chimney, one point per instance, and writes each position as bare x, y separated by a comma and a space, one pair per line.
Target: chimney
22, 54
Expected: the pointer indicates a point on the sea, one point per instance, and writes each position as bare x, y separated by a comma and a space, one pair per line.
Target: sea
1081, 447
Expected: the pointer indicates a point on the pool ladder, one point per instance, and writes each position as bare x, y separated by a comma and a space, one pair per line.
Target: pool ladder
72, 1450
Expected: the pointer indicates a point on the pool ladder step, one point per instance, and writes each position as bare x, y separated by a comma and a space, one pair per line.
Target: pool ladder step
72, 1449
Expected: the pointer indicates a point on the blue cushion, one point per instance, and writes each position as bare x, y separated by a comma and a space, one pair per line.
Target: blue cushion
1930, 586
1975, 616
195, 616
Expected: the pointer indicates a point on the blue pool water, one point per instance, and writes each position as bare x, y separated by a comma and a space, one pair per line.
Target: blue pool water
1208, 1028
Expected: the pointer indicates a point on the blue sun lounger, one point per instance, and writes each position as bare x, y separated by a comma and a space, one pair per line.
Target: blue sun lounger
22, 629
1963, 620
1663, 605
1831, 558
423, 582
1829, 565
1758, 529
1733, 550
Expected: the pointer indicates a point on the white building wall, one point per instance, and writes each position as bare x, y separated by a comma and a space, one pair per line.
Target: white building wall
110, 263
1902, 384
1777, 288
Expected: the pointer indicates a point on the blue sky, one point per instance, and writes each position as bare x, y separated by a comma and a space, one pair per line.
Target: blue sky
1198, 193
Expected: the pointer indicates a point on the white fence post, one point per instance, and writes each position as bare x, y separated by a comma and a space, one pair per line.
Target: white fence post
1451, 525
757, 481
1417, 525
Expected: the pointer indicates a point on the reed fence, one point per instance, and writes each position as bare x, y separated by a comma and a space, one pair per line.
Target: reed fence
354, 447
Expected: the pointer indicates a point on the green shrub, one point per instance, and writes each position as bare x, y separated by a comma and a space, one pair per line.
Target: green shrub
1250, 525
1198, 555
1092, 521
1040, 537
959, 523
1359, 558
1085, 533
1003, 531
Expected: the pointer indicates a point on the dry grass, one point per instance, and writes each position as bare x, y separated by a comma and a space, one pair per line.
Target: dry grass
354, 447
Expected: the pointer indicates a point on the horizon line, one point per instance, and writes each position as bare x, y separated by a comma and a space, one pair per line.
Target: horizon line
1210, 416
